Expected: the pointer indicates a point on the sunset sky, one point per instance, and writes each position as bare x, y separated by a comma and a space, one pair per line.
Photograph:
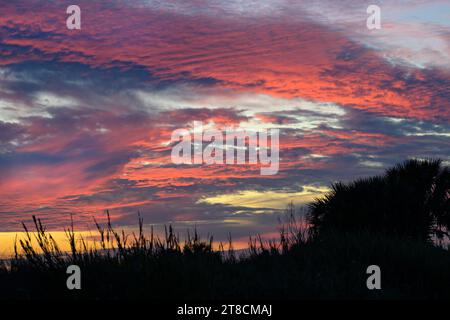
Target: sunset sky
86, 115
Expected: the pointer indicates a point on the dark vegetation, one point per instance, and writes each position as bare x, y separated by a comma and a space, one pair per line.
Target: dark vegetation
395, 221
410, 200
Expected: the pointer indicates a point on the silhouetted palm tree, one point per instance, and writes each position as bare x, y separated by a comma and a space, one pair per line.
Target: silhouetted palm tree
410, 199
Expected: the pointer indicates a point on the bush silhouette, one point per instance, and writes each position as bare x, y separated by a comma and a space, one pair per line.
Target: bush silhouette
409, 200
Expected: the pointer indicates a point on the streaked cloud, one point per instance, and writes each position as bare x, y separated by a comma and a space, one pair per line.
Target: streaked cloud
86, 118
267, 199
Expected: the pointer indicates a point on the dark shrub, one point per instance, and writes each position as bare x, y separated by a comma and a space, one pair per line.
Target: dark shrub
409, 200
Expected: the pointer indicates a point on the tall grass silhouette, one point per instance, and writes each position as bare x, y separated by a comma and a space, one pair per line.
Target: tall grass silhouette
410, 200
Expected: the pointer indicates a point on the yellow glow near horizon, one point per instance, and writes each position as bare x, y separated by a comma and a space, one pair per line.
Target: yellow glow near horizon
7, 240
91, 238
267, 199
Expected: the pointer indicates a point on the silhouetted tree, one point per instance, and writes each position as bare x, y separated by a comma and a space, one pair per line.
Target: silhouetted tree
409, 200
